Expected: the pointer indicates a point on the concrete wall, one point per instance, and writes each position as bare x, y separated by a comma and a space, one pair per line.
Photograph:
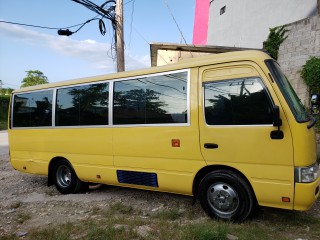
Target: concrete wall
173, 56
246, 23
303, 41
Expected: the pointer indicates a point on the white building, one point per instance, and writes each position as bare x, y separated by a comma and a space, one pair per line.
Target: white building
246, 23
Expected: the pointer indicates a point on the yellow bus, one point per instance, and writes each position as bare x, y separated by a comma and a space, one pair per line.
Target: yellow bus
227, 129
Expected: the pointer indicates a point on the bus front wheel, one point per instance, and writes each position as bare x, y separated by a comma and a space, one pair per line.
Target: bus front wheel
225, 195
65, 178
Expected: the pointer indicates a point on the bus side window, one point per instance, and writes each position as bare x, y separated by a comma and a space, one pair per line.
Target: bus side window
32, 109
160, 99
82, 105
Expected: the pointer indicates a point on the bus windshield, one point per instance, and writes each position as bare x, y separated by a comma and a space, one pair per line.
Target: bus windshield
289, 94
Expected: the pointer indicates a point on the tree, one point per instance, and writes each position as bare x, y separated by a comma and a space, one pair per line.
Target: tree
34, 77
6, 91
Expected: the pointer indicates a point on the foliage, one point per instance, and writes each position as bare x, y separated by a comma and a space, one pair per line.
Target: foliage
4, 106
274, 40
34, 77
4, 99
311, 74
6, 91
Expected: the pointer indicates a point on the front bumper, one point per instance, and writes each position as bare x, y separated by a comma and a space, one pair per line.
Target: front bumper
306, 194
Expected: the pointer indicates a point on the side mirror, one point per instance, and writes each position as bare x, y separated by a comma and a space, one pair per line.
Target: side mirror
277, 122
315, 101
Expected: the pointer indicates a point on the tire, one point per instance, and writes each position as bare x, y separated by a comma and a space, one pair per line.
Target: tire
65, 178
225, 195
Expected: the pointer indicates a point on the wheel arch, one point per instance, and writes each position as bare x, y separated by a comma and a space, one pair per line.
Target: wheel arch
51, 167
207, 169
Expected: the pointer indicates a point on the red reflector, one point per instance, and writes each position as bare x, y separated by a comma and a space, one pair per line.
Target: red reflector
285, 199
175, 142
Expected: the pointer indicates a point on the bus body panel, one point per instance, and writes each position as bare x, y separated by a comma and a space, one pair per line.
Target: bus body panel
151, 148
87, 146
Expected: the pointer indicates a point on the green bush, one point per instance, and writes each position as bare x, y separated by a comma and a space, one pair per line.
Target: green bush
275, 38
4, 106
311, 74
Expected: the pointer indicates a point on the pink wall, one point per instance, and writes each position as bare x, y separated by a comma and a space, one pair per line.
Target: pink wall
201, 18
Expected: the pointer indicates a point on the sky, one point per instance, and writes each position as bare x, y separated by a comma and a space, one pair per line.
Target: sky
87, 52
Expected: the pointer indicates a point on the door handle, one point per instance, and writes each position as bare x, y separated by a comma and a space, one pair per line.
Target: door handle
211, 145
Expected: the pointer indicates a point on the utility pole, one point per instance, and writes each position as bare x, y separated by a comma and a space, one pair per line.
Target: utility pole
119, 36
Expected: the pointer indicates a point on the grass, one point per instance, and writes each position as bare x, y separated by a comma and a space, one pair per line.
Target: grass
22, 217
170, 214
119, 207
124, 223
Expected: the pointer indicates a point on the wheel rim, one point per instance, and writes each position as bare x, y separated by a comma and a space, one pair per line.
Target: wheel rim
63, 176
223, 198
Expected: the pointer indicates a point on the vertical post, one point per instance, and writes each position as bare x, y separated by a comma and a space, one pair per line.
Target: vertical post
119, 36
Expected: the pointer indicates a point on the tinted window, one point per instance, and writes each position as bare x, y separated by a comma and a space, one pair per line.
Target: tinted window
33, 109
151, 100
237, 102
82, 105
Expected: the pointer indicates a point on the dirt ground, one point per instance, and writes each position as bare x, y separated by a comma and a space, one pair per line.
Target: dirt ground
26, 202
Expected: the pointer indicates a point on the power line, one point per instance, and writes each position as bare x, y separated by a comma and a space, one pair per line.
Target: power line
108, 13
5, 83
131, 22
51, 28
128, 2
174, 19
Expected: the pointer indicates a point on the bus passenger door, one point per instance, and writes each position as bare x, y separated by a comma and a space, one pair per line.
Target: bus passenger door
236, 130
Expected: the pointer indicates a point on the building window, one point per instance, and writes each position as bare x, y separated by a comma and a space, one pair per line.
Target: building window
222, 10
237, 102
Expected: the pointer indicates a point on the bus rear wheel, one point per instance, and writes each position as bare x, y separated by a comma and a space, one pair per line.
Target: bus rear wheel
65, 178
225, 195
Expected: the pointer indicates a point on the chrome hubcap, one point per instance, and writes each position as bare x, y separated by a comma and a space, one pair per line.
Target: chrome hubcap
223, 199
63, 176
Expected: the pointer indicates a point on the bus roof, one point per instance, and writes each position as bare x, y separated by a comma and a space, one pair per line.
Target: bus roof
251, 55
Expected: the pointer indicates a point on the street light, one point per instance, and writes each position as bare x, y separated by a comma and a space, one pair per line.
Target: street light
64, 32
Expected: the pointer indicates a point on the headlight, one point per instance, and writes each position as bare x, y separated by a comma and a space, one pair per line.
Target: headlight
307, 174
